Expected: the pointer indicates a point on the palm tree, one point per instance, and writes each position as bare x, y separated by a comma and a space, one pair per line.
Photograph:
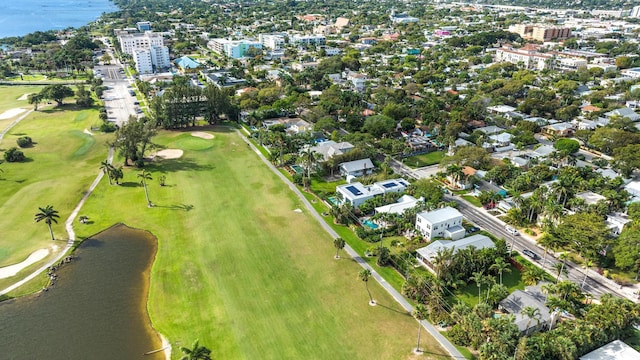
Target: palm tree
533, 274
339, 244
117, 174
107, 169
500, 266
49, 215
364, 275
420, 313
559, 267
144, 176
455, 172
531, 313
563, 257
477, 276
196, 352
441, 260
309, 158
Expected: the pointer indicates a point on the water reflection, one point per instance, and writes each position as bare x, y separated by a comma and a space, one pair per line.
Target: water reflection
95, 310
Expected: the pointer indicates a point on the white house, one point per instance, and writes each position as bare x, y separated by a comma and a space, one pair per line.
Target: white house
357, 168
356, 193
425, 255
400, 206
615, 350
443, 223
330, 148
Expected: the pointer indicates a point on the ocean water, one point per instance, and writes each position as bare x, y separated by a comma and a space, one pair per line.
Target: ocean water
26, 16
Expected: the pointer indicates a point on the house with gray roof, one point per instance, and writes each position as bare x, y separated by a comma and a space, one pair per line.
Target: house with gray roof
425, 255
329, 149
356, 168
615, 350
356, 194
623, 112
399, 207
532, 296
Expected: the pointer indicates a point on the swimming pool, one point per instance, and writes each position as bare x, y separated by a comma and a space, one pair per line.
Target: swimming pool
333, 200
298, 169
370, 224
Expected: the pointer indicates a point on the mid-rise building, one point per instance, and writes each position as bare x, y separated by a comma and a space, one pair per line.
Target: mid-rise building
143, 26
541, 32
142, 59
526, 56
234, 49
129, 43
160, 57
635, 12
309, 39
272, 41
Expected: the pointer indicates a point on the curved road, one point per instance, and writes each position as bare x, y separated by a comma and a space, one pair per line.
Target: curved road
451, 349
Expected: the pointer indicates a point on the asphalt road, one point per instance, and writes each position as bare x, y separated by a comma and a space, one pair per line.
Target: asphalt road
593, 283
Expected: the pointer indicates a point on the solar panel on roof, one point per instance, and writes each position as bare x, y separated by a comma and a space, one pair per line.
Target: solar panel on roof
390, 185
354, 190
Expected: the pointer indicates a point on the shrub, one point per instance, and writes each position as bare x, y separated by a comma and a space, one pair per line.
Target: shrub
14, 155
24, 141
108, 127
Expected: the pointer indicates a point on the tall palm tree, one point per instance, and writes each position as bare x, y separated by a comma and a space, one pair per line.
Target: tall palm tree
477, 277
196, 352
532, 313
309, 159
586, 267
559, 267
107, 169
420, 312
49, 215
455, 172
441, 260
563, 257
144, 176
364, 275
500, 266
339, 244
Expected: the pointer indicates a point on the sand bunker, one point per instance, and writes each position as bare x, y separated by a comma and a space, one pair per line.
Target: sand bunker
12, 270
86, 131
202, 135
25, 96
11, 113
167, 154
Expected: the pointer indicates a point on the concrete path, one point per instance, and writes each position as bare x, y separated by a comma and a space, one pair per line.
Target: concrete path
69, 228
446, 344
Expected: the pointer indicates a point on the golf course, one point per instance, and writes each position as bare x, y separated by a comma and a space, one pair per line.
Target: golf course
241, 265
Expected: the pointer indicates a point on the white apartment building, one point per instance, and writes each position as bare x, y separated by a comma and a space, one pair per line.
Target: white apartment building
570, 63
530, 59
142, 58
160, 57
129, 43
308, 39
234, 49
441, 223
272, 41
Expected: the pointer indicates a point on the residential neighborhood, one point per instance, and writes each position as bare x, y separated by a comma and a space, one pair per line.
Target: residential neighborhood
479, 161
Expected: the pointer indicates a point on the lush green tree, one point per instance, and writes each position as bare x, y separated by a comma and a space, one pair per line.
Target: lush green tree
627, 247
133, 139
57, 93
49, 215
14, 155
379, 125
568, 146
35, 99
627, 159
500, 266
107, 169
586, 233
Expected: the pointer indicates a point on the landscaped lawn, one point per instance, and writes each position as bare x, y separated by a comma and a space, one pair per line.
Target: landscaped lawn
469, 293
9, 96
431, 158
240, 270
473, 200
59, 168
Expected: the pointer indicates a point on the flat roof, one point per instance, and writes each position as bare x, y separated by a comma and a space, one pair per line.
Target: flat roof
615, 350
439, 215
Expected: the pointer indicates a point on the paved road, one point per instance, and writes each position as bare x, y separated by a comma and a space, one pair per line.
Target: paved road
594, 284
451, 349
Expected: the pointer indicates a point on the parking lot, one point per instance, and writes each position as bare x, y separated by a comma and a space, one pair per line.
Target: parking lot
118, 98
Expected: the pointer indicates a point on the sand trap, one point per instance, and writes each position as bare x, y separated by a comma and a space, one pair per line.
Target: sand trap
12, 270
167, 154
11, 113
202, 135
25, 96
86, 131
298, 211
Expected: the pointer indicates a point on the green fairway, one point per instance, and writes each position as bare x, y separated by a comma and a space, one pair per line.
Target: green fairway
59, 168
422, 160
11, 94
240, 270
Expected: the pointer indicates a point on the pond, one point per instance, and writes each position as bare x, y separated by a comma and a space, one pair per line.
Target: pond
96, 309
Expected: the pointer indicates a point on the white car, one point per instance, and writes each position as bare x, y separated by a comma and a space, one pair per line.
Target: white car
511, 230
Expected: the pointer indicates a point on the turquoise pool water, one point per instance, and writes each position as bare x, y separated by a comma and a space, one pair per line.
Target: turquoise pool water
333, 200
298, 169
370, 224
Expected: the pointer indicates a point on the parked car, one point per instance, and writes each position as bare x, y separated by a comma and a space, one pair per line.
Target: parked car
473, 229
511, 230
531, 254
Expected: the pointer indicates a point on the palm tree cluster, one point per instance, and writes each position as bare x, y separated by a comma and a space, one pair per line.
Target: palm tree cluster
114, 174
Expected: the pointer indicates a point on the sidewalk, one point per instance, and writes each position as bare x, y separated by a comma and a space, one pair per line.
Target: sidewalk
444, 342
